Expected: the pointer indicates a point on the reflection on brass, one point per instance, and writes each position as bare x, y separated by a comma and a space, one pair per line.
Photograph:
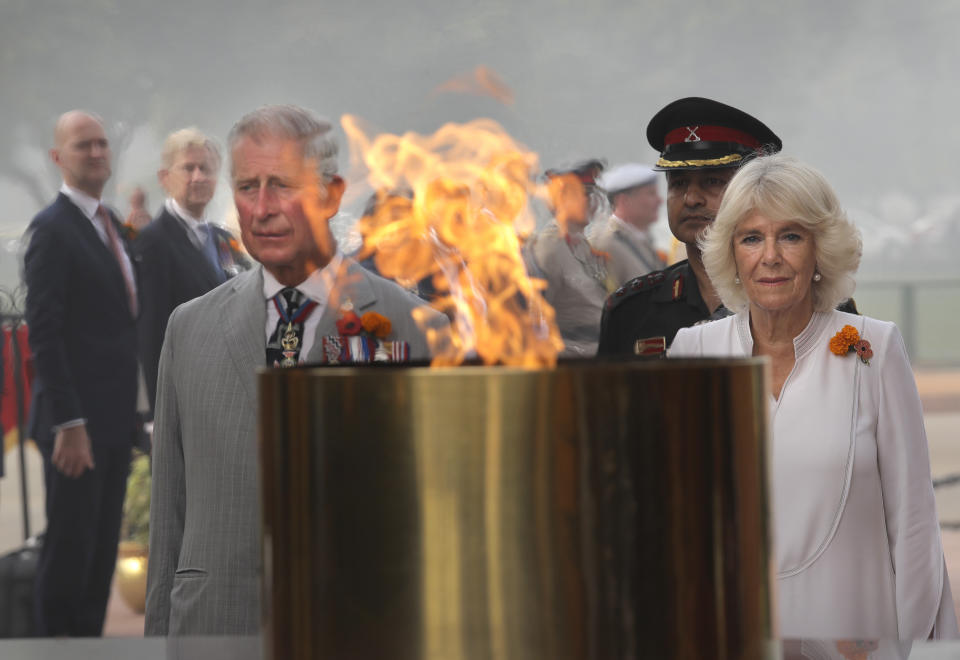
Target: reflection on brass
596, 510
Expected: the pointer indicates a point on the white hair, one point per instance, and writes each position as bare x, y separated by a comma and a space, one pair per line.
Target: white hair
314, 133
784, 189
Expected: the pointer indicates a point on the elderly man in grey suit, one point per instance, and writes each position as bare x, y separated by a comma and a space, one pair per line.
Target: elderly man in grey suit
305, 299
625, 237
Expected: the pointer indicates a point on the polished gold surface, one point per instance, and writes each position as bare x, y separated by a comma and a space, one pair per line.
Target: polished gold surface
596, 510
131, 574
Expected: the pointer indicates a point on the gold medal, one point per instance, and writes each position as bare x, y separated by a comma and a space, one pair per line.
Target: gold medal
290, 342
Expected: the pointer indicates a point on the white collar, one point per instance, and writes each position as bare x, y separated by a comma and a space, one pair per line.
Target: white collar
87, 204
174, 207
317, 286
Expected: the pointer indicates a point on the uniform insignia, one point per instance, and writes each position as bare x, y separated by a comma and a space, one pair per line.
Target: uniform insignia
677, 288
655, 278
650, 346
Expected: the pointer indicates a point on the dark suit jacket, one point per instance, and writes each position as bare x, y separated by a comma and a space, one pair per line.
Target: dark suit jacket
172, 271
83, 338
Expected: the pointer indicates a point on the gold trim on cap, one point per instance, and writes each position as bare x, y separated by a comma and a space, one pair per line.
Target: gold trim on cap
724, 160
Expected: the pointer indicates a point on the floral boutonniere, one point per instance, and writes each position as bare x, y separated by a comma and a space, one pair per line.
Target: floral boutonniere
232, 258
373, 325
363, 338
848, 339
128, 231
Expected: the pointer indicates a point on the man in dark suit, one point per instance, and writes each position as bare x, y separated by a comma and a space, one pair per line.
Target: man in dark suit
81, 310
181, 255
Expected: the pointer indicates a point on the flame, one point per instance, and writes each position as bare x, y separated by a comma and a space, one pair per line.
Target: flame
453, 206
482, 81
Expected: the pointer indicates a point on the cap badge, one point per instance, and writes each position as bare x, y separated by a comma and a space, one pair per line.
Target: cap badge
692, 134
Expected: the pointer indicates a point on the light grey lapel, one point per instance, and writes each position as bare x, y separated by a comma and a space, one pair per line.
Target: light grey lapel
244, 316
641, 249
353, 285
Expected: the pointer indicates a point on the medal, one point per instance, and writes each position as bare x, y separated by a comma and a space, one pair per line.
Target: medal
290, 341
294, 318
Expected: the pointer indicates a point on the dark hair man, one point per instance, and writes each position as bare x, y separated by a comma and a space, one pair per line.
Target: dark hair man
701, 144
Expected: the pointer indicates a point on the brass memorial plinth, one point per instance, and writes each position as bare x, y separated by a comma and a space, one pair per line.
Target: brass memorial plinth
596, 510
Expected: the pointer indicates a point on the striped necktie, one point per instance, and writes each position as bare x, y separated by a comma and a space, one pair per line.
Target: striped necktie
113, 241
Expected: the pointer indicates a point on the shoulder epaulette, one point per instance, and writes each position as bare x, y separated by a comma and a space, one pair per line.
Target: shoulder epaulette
635, 286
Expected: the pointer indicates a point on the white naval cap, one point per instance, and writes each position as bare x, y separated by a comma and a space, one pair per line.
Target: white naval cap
628, 175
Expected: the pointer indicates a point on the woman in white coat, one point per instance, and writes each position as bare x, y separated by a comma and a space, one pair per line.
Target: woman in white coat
856, 536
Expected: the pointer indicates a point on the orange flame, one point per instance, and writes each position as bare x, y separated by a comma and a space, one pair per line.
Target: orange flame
482, 81
452, 206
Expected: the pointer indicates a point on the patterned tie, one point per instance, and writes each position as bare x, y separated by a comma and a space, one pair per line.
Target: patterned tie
117, 249
283, 348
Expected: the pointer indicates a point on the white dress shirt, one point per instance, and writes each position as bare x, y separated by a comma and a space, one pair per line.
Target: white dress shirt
196, 227
316, 287
856, 533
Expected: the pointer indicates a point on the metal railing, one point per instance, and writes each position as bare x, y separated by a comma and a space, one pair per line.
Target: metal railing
926, 310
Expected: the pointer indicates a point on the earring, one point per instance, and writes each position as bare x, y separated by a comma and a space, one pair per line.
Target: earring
817, 277
736, 280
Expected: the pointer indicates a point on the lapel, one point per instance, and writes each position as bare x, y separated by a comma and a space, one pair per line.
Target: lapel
642, 250
244, 317
353, 284
177, 233
99, 251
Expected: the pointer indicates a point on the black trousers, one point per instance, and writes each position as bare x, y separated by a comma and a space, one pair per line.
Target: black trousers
80, 547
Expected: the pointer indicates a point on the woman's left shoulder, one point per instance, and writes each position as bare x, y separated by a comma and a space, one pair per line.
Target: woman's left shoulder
868, 326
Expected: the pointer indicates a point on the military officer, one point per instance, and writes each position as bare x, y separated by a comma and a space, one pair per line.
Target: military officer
701, 144
576, 274
625, 236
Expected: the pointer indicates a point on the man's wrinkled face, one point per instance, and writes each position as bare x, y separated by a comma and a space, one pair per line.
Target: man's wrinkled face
693, 197
83, 154
282, 206
191, 178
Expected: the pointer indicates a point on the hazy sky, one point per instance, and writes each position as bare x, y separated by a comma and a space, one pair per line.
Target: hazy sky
864, 90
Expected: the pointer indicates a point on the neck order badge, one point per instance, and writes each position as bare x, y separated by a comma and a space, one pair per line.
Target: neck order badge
283, 349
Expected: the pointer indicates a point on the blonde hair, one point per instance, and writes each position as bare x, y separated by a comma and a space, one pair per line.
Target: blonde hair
784, 189
179, 141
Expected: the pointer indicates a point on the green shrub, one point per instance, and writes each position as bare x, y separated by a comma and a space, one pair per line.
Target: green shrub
136, 506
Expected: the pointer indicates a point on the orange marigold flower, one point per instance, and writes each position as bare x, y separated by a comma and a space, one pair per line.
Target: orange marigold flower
838, 345
376, 324
841, 342
850, 335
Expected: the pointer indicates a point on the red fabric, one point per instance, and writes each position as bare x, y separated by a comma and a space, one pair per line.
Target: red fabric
8, 404
710, 134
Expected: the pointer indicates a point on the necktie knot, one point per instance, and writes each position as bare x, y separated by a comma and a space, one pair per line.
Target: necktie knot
293, 297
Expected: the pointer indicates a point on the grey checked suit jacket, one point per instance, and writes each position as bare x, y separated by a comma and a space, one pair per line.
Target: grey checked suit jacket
204, 568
